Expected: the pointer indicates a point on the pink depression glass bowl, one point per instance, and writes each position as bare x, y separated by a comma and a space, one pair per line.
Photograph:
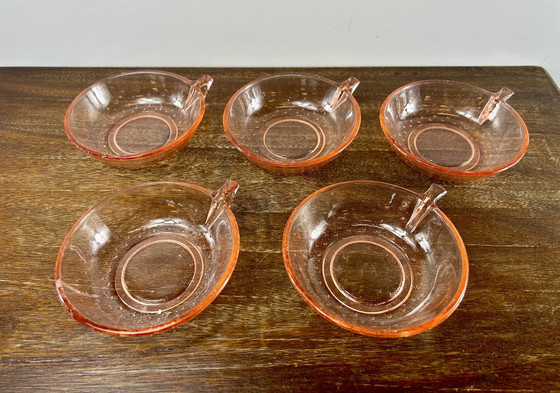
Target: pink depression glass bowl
149, 257
375, 258
454, 131
291, 123
136, 118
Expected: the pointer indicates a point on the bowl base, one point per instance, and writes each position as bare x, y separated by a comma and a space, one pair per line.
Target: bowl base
444, 145
159, 273
142, 132
293, 139
367, 273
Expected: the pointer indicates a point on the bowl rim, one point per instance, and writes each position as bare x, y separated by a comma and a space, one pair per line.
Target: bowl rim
391, 333
77, 315
290, 164
440, 169
136, 156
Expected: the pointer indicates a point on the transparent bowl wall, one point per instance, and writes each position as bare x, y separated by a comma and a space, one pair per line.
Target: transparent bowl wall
136, 118
453, 130
293, 121
350, 255
177, 253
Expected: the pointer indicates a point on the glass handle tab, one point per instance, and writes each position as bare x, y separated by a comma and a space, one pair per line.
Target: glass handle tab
204, 83
222, 199
342, 91
495, 100
201, 85
426, 203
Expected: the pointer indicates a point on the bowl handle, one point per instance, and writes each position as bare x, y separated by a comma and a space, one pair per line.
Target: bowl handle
424, 205
340, 95
221, 200
497, 99
201, 85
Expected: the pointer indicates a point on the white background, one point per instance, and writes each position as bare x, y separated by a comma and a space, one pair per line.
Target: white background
160, 33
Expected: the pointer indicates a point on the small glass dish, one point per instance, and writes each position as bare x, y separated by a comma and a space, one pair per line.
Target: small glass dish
454, 131
136, 118
149, 257
375, 258
292, 123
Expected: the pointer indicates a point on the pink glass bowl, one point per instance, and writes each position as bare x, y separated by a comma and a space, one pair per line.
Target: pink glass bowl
291, 123
148, 258
454, 131
375, 258
136, 118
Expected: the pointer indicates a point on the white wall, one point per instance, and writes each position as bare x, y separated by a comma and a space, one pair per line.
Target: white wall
280, 33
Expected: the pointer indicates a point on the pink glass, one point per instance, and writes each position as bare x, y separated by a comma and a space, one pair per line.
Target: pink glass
292, 123
137, 118
375, 258
454, 131
149, 257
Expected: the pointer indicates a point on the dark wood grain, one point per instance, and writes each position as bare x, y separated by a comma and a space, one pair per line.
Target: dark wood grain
259, 335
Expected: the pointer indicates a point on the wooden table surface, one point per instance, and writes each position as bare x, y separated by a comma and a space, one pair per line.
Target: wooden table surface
259, 334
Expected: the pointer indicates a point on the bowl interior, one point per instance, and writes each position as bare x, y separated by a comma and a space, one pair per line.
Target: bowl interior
437, 122
290, 118
350, 255
134, 113
143, 259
